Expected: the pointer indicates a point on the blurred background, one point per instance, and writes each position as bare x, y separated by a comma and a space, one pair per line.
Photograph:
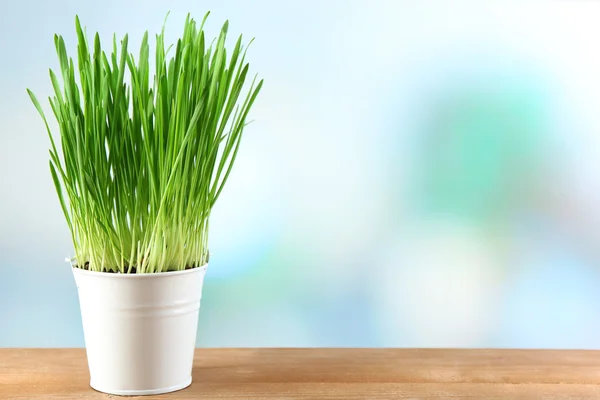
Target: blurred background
419, 174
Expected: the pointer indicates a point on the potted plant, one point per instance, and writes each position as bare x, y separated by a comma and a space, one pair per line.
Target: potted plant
145, 151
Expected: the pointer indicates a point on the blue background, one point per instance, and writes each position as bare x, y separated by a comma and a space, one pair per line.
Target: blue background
418, 174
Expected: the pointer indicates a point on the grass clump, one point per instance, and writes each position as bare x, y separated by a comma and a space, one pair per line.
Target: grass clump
144, 156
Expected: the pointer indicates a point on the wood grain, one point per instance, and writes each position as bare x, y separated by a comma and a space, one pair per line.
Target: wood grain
329, 374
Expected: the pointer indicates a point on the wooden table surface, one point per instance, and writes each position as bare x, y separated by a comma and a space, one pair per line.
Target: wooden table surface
329, 374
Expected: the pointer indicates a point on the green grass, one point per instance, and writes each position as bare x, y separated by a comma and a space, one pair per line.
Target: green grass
144, 157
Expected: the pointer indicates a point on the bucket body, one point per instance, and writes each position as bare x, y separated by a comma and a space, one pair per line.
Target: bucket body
140, 329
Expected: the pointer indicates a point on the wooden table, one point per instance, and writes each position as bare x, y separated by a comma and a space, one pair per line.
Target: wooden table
329, 374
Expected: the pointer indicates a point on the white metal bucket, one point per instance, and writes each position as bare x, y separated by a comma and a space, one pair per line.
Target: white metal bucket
140, 329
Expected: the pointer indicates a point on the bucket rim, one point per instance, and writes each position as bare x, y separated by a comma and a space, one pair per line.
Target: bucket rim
112, 275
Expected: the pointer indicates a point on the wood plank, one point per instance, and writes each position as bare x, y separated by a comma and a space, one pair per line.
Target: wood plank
329, 374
